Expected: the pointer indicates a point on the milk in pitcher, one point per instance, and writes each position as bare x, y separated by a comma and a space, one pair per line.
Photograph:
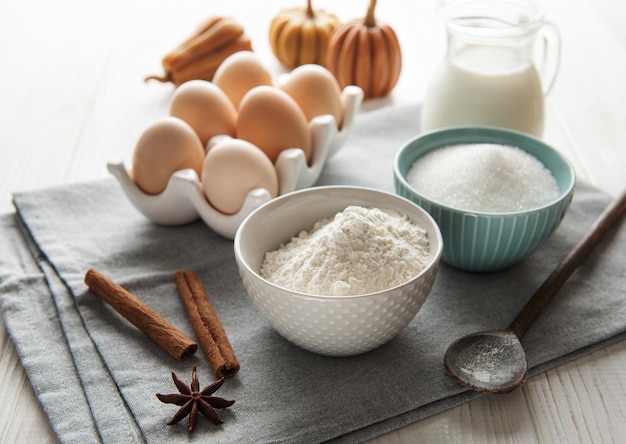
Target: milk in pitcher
488, 75
485, 86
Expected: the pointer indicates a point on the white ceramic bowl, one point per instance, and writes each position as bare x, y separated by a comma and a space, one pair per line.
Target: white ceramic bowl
330, 325
183, 199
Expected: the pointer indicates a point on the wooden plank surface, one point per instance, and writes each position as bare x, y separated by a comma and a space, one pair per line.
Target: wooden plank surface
72, 98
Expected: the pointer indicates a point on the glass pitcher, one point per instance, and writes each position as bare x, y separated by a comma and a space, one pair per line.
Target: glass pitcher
489, 75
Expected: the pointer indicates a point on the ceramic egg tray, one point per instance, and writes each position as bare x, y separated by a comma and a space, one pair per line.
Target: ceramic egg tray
183, 199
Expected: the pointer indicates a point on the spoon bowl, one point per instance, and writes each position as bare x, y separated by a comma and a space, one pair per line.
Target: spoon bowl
490, 362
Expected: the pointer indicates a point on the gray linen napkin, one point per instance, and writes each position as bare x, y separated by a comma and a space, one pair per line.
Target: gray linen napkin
96, 375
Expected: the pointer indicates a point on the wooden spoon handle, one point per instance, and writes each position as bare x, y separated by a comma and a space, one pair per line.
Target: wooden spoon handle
568, 264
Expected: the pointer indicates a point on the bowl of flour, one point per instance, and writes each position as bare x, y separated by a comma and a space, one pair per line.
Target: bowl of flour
338, 270
496, 194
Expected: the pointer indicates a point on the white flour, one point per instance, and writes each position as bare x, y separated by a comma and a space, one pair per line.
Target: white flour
358, 251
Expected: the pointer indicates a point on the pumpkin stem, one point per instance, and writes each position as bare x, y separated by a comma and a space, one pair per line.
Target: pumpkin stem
309, 9
370, 19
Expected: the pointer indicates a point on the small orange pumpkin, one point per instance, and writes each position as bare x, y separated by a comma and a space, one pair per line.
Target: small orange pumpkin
300, 36
365, 53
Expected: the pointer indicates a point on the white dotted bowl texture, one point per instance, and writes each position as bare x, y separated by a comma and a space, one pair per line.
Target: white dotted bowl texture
331, 325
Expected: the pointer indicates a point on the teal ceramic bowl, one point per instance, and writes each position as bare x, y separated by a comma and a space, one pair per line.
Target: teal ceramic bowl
481, 241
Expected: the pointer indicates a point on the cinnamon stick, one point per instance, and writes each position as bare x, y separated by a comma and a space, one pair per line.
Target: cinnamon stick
205, 323
157, 328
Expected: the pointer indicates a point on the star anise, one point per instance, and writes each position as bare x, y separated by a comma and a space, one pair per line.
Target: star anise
193, 401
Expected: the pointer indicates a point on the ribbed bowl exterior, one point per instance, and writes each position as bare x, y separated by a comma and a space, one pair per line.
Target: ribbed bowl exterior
487, 241
482, 242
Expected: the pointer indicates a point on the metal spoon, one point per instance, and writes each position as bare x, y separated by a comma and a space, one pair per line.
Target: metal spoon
494, 361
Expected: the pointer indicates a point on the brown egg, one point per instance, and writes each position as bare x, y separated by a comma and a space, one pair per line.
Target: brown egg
316, 91
270, 119
166, 146
205, 108
239, 73
232, 168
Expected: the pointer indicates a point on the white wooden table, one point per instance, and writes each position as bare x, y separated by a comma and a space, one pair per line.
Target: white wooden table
72, 97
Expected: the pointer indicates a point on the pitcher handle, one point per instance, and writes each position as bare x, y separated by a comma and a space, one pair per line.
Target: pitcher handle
551, 56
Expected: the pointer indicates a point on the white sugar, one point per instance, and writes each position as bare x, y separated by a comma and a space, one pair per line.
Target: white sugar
483, 177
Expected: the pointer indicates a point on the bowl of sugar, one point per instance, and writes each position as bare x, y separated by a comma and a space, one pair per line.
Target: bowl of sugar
496, 194
338, 270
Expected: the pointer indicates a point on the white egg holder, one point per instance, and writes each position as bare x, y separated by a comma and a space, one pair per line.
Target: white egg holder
183, 200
